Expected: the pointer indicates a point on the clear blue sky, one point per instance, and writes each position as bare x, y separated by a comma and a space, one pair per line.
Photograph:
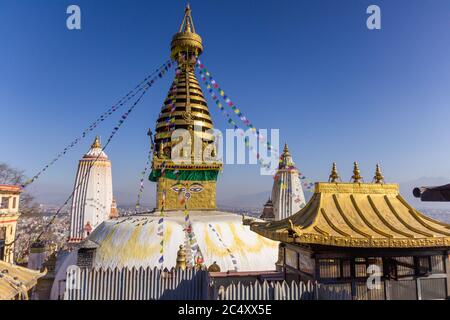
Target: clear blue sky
337, 91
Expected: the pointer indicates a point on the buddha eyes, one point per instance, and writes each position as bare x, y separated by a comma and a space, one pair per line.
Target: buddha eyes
178, 188
194, 188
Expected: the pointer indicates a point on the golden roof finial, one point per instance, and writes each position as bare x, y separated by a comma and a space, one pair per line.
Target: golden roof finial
334, 176
181, 258
356, 173
286, 159
214, 267
378, 178
97, 143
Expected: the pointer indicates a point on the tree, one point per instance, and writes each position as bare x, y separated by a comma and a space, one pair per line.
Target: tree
12, 176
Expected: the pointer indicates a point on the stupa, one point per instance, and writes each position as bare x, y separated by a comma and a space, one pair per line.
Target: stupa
185, 212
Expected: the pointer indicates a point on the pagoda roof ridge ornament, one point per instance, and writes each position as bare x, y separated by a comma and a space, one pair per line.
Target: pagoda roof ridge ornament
378, 178
334, 176
356, 178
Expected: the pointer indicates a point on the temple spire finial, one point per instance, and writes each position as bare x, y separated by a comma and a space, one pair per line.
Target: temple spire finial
97, 143
378, 178
181, 258
334, 176
187, 25
356, 173
186, 41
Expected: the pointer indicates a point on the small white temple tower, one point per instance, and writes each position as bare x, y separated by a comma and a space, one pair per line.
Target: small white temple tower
93, 197
287, 192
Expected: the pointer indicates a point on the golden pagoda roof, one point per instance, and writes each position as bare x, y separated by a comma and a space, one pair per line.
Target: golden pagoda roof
367, 215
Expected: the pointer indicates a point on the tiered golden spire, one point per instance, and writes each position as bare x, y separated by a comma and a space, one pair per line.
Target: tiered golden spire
356, 173
334, 176
185, 106
378, 178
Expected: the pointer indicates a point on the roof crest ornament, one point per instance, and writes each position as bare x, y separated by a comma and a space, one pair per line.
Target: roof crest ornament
356, 178
334, 176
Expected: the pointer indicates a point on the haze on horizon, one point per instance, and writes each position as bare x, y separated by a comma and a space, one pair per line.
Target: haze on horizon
336, 90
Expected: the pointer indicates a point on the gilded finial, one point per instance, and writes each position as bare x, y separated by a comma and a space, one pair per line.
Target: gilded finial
97, 143
214, 267
356, 173
334, 176
181, 258
186, 40
286, 148
378, 178
187, 25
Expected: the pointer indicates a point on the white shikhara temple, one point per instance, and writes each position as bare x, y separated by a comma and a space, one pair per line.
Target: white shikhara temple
93, 197
287, 192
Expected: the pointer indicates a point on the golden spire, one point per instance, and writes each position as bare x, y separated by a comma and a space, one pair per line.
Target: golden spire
97, 143
187, 25
185, 106
186, 40
181, 258
334, 176
356, 173
378, 178
286, 149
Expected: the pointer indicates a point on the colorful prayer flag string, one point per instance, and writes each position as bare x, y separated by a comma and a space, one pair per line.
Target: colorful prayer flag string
143, 85
233, 258
232, 105
231, 121
113, 133
141, 182
211, 84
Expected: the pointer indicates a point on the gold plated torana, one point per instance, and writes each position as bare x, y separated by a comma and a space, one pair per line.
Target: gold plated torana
369, 215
